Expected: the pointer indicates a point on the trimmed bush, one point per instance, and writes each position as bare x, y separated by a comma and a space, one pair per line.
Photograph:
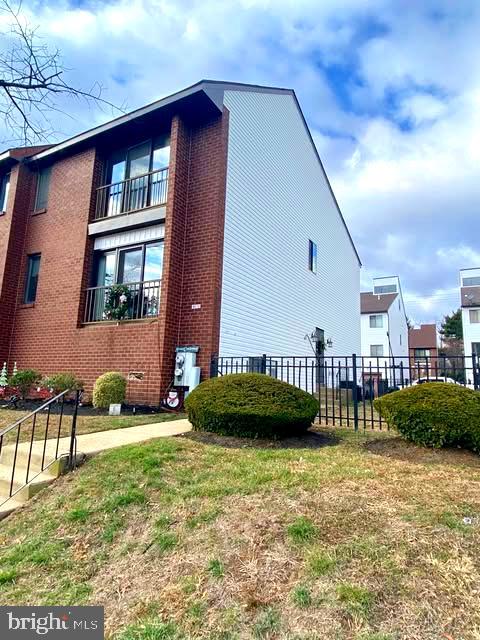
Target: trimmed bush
62, 382
24, 380
251, 405
109, 388
434, 414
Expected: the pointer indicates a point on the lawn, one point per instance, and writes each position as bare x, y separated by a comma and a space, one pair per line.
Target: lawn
336, 536
85, 423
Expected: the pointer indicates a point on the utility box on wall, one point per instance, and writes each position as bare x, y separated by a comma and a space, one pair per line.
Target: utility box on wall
186, 373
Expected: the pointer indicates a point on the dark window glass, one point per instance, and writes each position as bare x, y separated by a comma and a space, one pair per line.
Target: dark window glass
471, 282
43, 185
33, 267
4, 188
130, 265
385, 288
476, 348
312, 256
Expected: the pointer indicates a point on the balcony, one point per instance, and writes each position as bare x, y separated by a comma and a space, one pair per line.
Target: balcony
132, 194
120, 302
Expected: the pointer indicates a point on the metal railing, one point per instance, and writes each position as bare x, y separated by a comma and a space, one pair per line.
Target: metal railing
132, 194
347, 386
33, 443
142, 301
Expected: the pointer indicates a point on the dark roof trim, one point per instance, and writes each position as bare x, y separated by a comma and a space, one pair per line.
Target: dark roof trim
90, 133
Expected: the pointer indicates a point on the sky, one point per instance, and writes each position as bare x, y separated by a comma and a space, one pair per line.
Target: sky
390, 90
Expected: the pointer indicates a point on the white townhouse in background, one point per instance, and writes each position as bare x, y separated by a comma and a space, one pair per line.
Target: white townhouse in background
384, 329
470, 303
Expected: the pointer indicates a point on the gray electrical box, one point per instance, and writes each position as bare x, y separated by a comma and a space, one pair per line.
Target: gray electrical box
185, 366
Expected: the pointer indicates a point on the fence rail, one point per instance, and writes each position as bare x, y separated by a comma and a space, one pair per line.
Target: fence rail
142, 301
346, 386
132, 194
34, 442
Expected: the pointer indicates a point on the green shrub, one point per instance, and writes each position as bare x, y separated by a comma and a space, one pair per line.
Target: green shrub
109, 388
62, 382
250, 405
434, 414
24, 380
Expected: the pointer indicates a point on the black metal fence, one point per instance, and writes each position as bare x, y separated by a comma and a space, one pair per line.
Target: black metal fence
29, 446
346, 386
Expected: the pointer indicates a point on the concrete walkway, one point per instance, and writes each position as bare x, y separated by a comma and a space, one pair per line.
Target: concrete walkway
88, 444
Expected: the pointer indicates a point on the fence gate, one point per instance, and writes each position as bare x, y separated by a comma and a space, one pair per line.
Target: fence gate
346, 386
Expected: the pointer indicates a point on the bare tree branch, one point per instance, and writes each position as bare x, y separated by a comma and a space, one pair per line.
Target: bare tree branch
32, 80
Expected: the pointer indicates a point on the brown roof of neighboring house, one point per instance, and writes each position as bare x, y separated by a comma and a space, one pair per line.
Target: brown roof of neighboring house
423, 337
376, 303
470, 296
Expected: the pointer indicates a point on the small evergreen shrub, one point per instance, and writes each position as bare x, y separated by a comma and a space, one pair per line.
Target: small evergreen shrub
109, 388
434, 414
62, 382
24, 380
251, 405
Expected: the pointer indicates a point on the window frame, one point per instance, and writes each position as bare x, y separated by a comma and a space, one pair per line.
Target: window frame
386, 288
376, 355
376, 315
123, 155
117, 251
4, 192
32, 258
471, 281
474, 313
45, 171
312, 256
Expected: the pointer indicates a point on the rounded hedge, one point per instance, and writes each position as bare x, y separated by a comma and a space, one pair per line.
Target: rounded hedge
434, 414
109, 388
251, 405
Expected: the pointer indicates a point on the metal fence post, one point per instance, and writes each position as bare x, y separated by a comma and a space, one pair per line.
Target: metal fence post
475, 371
214, 366
355, 391
73, 433
263, 365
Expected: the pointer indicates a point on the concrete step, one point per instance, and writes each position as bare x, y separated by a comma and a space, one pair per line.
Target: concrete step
9, 506
37, 455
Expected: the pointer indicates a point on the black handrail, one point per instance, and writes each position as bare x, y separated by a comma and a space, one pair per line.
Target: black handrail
143, 302
47, 459
132, 194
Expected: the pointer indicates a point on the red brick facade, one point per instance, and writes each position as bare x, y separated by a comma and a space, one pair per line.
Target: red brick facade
420, 340
49, 335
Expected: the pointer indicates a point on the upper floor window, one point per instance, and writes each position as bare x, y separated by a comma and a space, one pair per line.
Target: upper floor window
376, 321
421, 354
474, 316
312, 256
4, 189
385, 288
471, 282
33, 268
43, 186
376, 350
137, 177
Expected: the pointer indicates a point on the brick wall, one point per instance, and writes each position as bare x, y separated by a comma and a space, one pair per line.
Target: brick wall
49, 336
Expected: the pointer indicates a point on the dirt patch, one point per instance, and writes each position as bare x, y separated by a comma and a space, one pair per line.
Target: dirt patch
312, 439
399, 449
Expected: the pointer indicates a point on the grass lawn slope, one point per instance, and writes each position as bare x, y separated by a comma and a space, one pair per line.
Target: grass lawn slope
334, 536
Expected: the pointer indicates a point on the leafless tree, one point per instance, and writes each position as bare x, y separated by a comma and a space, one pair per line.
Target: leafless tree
32, 81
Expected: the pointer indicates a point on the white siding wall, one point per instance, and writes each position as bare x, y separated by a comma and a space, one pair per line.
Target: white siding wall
471, 332
374, 336
277, 199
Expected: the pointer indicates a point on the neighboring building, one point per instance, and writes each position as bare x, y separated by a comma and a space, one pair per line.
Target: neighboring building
384, 330
211, 211
470, 303
423, 350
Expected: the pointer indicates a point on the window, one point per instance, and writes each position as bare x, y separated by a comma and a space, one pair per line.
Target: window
142, 166
421, 354
474, 315
376, 322
385, 288
312, 256
33, 267
471, 282
400, 339
476, 349
376, 350
43, 185
126, 265
4, 189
